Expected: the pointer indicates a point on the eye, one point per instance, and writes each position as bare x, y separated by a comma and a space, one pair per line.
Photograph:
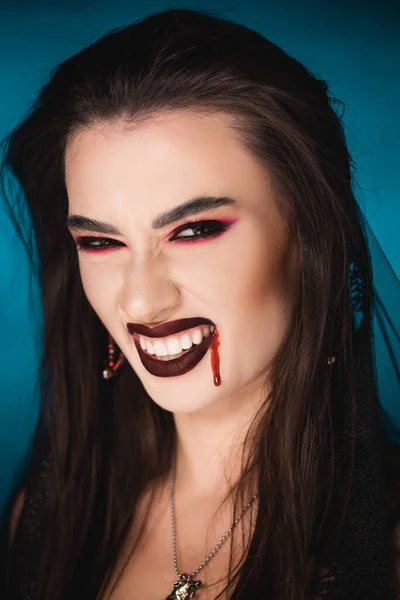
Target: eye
96, 244
200, 229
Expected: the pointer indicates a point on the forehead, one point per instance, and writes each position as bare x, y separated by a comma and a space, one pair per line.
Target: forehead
159, 163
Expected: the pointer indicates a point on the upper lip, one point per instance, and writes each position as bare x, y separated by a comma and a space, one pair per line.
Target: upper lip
167, 328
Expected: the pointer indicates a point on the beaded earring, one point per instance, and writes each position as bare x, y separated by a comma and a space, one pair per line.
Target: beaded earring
112, 363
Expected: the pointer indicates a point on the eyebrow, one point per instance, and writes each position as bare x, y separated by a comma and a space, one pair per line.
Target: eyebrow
191, 207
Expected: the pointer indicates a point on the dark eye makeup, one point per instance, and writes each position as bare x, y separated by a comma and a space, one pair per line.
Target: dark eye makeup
202, 230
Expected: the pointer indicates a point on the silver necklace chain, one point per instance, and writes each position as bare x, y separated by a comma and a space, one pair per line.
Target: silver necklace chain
217, 546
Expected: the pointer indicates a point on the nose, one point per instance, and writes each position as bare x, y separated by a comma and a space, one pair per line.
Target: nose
149, 297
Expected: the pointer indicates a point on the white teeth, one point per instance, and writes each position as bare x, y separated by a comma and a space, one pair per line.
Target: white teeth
160, 348
197, 336
174, 346
186, 341
149, 347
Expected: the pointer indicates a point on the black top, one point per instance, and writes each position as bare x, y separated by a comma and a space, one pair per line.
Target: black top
364, 567
19, 565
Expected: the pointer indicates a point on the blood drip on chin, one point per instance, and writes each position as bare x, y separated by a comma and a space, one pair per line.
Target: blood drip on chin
215, 358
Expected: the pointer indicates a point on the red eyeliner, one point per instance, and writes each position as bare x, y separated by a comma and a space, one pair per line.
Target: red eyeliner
82, 241
225, 223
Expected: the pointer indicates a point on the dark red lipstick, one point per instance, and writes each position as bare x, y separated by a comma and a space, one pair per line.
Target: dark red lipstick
185, 363
175, 366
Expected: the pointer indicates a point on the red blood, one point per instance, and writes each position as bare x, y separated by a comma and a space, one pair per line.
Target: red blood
214, 348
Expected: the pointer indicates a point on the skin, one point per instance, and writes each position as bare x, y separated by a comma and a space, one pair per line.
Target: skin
245, 280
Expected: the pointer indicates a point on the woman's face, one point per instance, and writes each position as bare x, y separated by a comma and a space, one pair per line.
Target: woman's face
243, 278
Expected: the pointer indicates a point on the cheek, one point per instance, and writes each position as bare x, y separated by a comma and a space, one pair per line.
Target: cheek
259, 302
266, 272
101, 286
247, 276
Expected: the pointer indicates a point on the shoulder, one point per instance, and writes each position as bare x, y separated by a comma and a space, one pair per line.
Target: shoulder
390, 481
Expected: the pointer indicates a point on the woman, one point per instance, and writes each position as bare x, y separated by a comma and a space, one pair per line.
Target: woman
191, 194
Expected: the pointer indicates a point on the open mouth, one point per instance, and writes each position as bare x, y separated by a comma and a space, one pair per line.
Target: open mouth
174, 365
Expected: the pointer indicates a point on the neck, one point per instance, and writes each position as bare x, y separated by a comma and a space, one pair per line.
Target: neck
210, 448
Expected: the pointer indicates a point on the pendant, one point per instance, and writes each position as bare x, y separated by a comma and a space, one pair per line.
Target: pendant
184, 589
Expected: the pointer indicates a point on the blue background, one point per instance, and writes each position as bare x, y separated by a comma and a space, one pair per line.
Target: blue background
355, 46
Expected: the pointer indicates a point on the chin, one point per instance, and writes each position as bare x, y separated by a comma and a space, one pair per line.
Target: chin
181, 403
187, 405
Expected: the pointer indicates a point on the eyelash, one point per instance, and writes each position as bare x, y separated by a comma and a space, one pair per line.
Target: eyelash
99, 244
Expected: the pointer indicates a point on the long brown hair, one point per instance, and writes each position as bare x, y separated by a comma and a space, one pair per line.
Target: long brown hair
109, 440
